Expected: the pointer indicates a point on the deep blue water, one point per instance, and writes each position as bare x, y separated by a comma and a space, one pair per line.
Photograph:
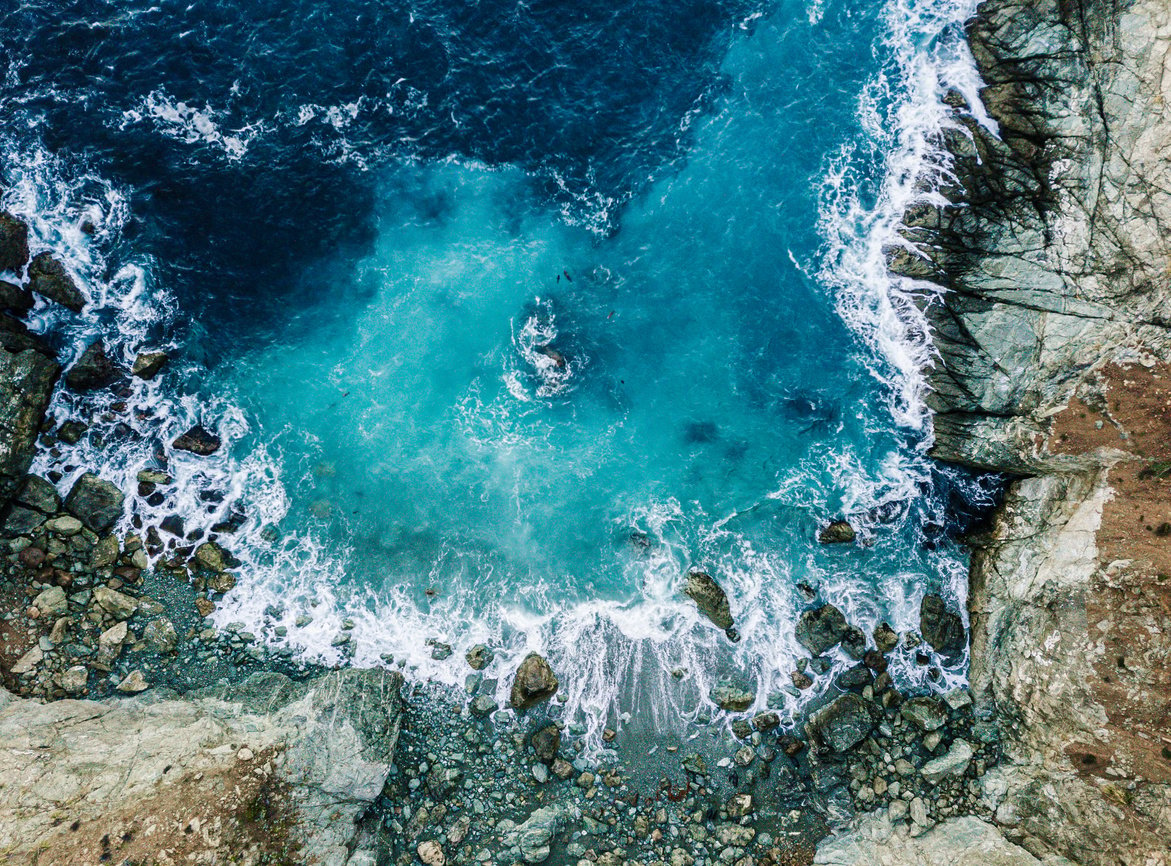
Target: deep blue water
511, 313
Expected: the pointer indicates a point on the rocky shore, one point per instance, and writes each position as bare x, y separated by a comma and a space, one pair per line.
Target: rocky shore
1053, 340
132, 731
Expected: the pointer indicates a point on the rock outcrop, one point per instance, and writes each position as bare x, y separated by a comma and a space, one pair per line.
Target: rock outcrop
266, 767
1053, 337
27, 380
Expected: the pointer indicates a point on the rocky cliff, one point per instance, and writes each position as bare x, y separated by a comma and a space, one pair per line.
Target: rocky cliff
1053, 341
267, 770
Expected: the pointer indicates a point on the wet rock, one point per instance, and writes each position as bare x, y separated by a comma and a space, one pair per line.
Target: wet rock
116, 604
26, 385
885, 638
198, 440
93, 370
927, 714
51, 601
855, 678
49, 279
71, 432
173, 524
479, 657
160, 635
39, 495
65, 526
854, 643
483, 706
13, 243
105, 553
952, 764
710, 598
534, 683
97, 503
821, 629
766, 721
15, 298
838, 532
148, 364
844, 723
728, 695
546, 743
22, 521
958, 698
211, 557
940, 627
801, 680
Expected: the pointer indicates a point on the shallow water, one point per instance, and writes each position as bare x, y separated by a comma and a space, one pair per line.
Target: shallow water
512, 314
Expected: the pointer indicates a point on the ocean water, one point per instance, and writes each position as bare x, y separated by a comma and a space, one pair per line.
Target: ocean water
509, 315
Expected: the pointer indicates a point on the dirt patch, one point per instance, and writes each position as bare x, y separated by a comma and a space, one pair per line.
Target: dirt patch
1128, 606
236, 814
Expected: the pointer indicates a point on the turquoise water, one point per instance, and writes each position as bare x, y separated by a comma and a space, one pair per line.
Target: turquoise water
534, 396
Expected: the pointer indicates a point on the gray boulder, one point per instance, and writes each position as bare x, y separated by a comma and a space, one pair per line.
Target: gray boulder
821, 629
13, 243
940, 627
844, 723
49, 279
39, 495
95, 502
26, 385
927, 714
952, 764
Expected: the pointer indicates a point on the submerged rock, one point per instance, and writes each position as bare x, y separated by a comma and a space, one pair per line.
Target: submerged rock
13, 243
535, 683
148, 364
728, 695
821, 629
92, 370
838, 532
49, 279
844, 723
940, 627
96, 502
198, 440
479, 657
711, 600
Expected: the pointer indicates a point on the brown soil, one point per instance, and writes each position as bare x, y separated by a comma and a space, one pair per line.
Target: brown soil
1128, 606
237, 815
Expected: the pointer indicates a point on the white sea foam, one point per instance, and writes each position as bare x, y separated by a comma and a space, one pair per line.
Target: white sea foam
601, 647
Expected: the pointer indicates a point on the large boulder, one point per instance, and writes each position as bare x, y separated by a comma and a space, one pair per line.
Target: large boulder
821, 629
844, 723
279, 768
198, 440
148, 364
95, 502
49, 279
940, 627
967, 841
711, 600
15, 298
838, 532
13, 243
26, 385
93, 370
534, 683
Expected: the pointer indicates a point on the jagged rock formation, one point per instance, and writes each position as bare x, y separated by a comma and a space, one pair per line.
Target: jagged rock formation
266, 767
1053, 340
